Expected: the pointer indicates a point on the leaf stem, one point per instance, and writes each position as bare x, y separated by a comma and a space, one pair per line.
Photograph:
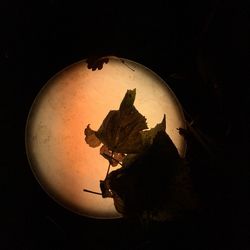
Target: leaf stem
108, 170
92, 192
109, 164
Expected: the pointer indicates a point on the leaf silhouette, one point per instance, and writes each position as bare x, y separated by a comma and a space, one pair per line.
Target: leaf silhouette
149, 135
91, 138
95, 62
155, 185
147, 139
153, 182
120, 130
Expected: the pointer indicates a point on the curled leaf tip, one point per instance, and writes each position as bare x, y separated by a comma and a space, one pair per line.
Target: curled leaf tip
90, 137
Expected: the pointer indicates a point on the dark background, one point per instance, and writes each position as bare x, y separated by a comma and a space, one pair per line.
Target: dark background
201, 50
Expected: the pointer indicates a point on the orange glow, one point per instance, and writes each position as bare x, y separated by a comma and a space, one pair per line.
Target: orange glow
59, 157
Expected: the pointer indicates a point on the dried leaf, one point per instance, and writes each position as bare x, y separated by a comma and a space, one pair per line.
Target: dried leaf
95, 62
149, 135
120, 130
154, 185
90, 137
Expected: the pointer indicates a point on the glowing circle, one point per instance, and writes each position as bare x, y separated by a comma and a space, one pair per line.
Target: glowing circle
59, 157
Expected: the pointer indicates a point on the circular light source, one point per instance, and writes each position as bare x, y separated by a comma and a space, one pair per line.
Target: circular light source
60, 158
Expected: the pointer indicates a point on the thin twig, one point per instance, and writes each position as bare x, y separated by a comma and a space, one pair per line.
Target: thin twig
126, 65
112, 153
92, 192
